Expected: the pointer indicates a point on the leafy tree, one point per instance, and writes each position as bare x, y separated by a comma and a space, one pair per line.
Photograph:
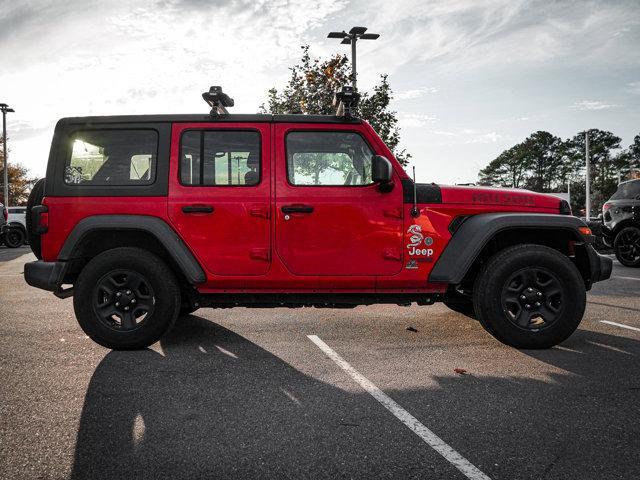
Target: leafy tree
507, 170
537, 163
19, 182
310, 90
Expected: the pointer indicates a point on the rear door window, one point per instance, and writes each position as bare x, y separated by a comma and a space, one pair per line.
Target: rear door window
220, 158
112, 158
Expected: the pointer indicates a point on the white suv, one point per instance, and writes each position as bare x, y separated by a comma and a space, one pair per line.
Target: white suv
15, 230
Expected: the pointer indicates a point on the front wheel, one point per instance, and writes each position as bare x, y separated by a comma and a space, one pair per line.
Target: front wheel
529, 296
126, 298
627, 246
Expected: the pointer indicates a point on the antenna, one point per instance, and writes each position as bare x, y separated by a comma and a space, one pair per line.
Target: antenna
217, 100
414, 210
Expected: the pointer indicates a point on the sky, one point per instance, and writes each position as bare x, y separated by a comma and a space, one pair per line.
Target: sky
471, 77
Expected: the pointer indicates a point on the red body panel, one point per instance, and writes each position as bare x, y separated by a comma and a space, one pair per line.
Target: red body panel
356, 240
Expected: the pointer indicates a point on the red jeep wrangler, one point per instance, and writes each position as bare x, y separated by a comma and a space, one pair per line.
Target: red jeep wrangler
146, 218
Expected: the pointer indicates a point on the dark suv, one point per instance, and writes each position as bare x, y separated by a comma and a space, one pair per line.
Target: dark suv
145, 218
621, 217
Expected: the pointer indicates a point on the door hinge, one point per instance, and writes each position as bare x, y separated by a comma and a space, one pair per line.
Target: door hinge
392, 254
261, 212
393, 213
260, 254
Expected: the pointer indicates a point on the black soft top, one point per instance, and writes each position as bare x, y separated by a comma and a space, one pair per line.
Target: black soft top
203, 118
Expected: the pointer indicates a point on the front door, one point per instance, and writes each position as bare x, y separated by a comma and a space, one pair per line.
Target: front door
220, 195
331, 219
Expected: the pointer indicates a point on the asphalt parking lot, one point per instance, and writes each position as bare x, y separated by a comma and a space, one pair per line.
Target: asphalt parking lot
247, 393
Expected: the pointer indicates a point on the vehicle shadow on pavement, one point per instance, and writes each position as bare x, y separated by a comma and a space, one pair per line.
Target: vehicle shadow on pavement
217, 405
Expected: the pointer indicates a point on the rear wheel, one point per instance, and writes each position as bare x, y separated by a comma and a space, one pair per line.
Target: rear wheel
529, 296
14, 237
35, 198
126, 298
627, 246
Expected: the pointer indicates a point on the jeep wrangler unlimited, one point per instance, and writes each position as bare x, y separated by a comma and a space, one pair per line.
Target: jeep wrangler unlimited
146, 218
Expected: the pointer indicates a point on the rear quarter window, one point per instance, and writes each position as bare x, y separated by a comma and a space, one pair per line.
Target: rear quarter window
112, 158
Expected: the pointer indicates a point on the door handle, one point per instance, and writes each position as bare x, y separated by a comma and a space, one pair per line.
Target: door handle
297, 209
197, 209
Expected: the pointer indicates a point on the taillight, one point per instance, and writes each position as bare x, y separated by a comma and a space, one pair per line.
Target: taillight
606, 207
40, 219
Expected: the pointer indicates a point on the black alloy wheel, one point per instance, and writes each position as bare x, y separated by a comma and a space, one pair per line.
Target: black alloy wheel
532, 298
627, 246
123, 299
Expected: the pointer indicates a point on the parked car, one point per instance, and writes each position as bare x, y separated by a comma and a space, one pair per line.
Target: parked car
12, 233
17, 222
621, 217
152, 217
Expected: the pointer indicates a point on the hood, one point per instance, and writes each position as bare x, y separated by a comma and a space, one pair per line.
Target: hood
511, 197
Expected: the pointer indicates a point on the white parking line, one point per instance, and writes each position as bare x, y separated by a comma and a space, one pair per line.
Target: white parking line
430, 438
628, 278
621, 325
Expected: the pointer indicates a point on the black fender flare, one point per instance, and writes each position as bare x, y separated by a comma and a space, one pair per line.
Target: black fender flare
155, 226
476, 231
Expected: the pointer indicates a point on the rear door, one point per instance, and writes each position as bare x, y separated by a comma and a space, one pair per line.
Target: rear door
331, 219
219, 195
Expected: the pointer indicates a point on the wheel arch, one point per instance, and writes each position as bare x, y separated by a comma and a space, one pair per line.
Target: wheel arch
478, 237
96, 234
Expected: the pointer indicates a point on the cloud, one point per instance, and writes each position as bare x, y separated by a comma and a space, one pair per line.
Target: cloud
415, 93
415, 120
593, 105
635, 87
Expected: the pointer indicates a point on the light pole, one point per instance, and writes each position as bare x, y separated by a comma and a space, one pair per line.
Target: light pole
5, 109
355, 34
588, 179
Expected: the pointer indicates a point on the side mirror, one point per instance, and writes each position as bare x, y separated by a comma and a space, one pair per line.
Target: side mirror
381, 172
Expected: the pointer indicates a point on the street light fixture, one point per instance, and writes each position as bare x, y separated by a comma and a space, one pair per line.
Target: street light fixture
5, 109
355, 34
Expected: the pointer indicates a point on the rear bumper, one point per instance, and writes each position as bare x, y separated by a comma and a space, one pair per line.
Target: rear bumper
600, 265
45, 275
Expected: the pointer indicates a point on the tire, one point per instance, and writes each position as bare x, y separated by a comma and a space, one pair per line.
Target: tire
14, 237
129, 279
626, 246
460, 303
35, 198
529, 296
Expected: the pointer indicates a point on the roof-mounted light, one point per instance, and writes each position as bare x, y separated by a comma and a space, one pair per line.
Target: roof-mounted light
345, 101
218, 100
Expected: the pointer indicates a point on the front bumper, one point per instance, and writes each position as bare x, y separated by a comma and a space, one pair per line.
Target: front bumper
45, 275
600, 266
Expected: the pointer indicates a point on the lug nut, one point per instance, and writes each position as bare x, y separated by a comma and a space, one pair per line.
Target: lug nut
128, 292
537, 304
522, 297
133, 300
539, 294
527, 306
126, 309
117, 304
529, 289
118, 294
